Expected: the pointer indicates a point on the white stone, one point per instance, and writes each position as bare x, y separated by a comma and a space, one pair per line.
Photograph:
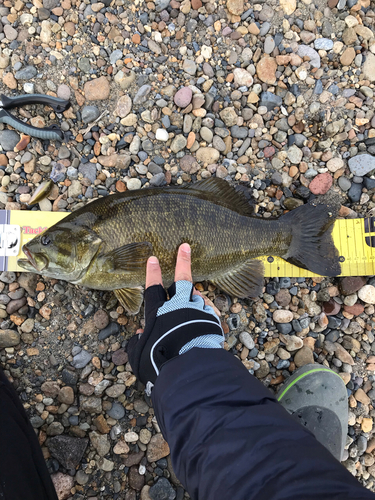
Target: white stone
131, 437
242, 77
367, 294
133, 183
206, 51
282, 316
162, 135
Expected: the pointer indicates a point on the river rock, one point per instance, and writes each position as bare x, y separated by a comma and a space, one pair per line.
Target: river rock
242, 77
361, 164
282, 316
183, 97
97, 89
208, 155
367, 294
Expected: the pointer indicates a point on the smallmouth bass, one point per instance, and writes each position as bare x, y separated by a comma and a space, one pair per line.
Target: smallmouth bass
105, 245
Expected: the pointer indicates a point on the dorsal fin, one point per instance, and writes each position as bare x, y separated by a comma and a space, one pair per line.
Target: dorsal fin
222, 193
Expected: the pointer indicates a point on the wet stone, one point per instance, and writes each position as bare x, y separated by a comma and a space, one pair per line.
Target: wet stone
162, 490
111, 329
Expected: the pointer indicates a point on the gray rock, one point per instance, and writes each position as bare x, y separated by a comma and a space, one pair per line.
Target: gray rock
359, 165
305, 50
141, 95
8, 277
239, 132
50, 4
270, 100
190, 67
247, 340
9, 139
88, 170
369, 183
161, 5
67, 450
26, 73
282, 124
58, 172
117, 411
269, 45
64, 153
323, 44
89, 114
344, 183
157, 180
100, 442
81, 359
9, 338
10, 33
36, 421
84, 64
264, 29
112, 329
300, 139
361, 444
162, 490
284, 328
355, 192
318, 89
115, 56
341, 5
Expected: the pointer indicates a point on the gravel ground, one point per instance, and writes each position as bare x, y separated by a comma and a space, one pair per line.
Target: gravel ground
277, 97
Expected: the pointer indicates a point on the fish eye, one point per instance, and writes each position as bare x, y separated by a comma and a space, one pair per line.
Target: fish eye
45, 240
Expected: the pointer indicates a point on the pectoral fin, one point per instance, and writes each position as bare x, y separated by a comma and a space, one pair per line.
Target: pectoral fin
126, 259
130, 298
243, 281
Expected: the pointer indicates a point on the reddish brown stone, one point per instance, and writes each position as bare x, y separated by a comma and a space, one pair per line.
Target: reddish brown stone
321, 183
356, 310
351, 284
331, 308
269, 151
3, 160
120, 357
196, 4
25, 139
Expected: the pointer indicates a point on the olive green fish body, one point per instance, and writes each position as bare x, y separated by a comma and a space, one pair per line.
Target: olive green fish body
219, 237
105, 245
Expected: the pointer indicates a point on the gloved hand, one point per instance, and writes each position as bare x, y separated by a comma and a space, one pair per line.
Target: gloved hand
171, 325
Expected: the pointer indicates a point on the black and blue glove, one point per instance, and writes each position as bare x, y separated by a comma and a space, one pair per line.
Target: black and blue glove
172, 327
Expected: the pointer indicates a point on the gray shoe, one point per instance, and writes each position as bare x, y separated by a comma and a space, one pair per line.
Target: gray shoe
317, 398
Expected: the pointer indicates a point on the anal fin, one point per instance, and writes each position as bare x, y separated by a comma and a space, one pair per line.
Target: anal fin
243, 281
130, 298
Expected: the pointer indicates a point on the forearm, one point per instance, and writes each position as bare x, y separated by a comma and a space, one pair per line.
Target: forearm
230, 439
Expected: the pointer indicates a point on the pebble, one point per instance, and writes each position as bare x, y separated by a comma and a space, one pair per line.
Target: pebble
81, 359
282, 316
367, 294
183, 97
360, 164
321, 183
90, 114
9, 139
162, 490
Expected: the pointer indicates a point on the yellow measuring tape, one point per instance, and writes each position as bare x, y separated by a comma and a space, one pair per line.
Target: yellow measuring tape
354, 239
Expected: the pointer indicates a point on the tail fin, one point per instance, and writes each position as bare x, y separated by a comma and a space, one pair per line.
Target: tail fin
312, 245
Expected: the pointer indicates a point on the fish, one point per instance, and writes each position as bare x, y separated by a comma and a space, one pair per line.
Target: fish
41, 192
105, 245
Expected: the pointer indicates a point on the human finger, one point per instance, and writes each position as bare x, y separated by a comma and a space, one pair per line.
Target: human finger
153, 272
183, 263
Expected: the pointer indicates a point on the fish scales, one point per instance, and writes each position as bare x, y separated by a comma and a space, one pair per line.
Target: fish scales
219, 237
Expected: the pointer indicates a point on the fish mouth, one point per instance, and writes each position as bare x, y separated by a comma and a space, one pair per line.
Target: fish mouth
37, 263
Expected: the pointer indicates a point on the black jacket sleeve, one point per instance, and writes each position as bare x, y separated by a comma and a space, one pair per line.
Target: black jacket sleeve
231, 440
